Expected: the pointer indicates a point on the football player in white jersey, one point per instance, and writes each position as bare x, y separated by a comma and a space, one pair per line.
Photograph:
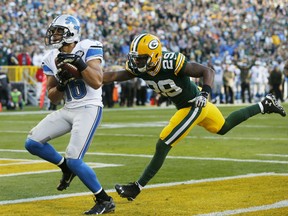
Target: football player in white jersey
82, 111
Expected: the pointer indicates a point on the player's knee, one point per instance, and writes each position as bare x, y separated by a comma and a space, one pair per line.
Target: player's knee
32, 146
75, 165
73, 162
222, 131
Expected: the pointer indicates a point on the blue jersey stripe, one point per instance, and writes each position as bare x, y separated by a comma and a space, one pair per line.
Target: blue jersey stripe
47, 70
91, 133
94, 51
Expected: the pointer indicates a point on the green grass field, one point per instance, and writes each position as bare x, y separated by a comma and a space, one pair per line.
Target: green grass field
126, 139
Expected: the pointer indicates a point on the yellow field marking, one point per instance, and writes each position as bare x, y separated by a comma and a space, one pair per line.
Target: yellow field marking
24, 167
181, 200
4, 162
35, 166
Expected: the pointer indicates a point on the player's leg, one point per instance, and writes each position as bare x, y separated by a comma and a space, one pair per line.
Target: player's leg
85, 123
52, 126
238, 117
179, 126
215, 122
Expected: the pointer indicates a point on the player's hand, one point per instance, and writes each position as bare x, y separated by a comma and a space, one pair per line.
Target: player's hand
63, 75
63, 78
201, 99
73, 59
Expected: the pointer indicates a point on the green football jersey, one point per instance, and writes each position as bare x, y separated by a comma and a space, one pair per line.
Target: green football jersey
170, 80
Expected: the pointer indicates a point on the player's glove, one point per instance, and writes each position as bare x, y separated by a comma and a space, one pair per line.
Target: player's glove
73, 59
202, 99
63, 78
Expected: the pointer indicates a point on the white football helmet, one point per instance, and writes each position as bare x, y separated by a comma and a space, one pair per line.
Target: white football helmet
63, 29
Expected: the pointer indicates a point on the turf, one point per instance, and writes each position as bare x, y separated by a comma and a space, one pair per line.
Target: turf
127, 137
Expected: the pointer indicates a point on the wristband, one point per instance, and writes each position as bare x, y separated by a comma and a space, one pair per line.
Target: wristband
206, 88
81, 67
80, 64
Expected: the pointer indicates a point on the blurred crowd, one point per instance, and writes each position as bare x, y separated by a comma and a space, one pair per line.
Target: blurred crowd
206, 31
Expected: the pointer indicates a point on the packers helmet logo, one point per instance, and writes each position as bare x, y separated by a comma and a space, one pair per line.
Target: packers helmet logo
153, 44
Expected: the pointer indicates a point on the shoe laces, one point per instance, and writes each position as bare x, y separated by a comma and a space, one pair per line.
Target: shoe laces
275, 101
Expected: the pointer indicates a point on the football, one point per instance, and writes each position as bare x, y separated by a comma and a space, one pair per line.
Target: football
71, 69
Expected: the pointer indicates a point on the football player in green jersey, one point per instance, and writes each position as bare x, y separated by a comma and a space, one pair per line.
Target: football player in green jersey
169, 74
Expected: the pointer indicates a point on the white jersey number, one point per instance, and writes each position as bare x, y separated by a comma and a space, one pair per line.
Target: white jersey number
165, 87
76, 89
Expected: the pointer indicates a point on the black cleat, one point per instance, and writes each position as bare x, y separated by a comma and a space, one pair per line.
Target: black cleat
271, 105
67, 177
102, 207
129, 191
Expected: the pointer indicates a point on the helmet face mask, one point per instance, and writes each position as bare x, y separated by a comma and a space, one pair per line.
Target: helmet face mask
140, 62
63, 29
55, 35
145, 53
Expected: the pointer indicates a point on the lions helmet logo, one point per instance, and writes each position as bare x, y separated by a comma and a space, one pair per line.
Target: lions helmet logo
72, 20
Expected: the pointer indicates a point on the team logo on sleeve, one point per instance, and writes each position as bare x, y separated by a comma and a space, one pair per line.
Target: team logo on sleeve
79, 53
153, 44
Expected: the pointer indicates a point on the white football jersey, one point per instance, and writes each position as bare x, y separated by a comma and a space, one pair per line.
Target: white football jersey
218, 78
258, 74
78, 92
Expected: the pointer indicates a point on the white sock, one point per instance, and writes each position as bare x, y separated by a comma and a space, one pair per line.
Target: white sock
261, 107
140, 187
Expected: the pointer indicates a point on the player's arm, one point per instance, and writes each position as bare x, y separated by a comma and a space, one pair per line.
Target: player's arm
93, 74
54, 94
120, 75
90, 71
198, 70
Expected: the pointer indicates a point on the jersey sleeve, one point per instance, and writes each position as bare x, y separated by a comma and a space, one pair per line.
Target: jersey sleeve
93, 49
180, 63
48, 62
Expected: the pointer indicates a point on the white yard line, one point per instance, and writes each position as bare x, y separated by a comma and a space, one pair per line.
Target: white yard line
187, 137
280, 204
273, 155
13, 113
170, 157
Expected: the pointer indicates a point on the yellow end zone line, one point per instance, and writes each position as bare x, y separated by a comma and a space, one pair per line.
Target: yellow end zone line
91, 164
52, 197
20, 162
